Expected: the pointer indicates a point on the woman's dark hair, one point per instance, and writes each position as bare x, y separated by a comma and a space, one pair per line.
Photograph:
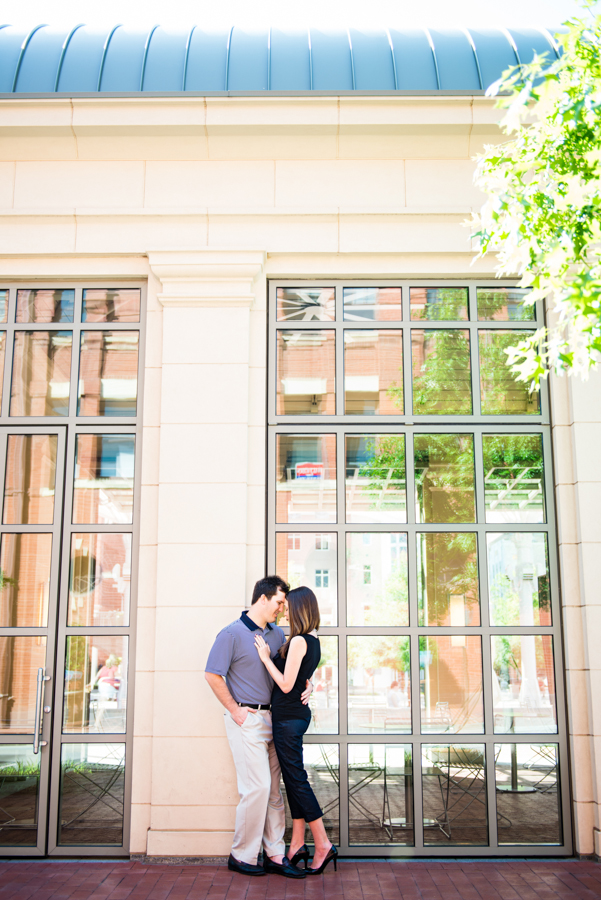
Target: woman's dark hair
303, 614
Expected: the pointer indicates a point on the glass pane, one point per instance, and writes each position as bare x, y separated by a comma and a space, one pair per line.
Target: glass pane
380, 794
30, 479
2, 355
447, 579
110, 305
41, 373
45, 305
451, 684
25, 580
108, 373
373, 304
306, 305
501, 394
513, 478
306, 478
454, 794
19, 793
444, 478
527, 792
306, 370
95, 693
375, 478
376, 579
311, 559
324, 699
104, 479
322, 765
373, 373
99, 579
439, 304
4, 306
379, 690
20, 659
523, 686
441, 372
504, 304
91, 794
518, 579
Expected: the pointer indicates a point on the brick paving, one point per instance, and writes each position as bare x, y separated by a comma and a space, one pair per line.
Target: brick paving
366, 880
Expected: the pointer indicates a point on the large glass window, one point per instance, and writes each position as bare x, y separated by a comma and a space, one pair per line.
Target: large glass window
418, 506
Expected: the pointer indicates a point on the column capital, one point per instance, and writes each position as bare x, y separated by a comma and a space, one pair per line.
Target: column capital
207, 277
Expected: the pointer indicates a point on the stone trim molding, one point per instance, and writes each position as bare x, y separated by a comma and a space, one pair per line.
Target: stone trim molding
217, 278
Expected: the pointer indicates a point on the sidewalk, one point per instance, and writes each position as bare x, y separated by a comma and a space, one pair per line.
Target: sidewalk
513, 880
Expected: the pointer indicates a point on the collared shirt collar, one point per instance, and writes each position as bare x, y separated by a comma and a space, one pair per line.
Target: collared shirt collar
249, 622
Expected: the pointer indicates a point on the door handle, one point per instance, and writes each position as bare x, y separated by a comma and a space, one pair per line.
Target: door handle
38, 711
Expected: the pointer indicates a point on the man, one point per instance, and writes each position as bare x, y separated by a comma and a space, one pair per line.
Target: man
246, 696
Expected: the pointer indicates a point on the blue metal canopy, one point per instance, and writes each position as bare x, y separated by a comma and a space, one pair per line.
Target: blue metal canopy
119, 60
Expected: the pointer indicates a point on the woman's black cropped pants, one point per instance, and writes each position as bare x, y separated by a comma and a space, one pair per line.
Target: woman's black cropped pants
288, 741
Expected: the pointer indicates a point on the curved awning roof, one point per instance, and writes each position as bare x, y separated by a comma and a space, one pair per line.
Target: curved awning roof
89, 61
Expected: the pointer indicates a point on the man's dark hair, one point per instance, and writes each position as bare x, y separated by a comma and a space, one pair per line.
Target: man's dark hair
269, 586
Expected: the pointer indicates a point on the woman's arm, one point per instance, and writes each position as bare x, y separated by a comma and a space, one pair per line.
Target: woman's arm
296, 651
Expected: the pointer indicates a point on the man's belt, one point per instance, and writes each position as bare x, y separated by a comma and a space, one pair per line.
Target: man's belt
256, 705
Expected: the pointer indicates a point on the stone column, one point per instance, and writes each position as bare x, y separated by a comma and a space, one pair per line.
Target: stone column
210, 538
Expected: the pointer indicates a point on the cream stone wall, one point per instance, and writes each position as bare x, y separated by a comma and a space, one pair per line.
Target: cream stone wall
207, 199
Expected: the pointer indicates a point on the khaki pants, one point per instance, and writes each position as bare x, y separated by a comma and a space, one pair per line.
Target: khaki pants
260, 816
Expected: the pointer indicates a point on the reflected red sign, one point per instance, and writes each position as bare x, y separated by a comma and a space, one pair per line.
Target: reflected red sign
309, 471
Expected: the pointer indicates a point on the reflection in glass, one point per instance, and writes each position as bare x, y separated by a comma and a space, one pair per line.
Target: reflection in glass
380, 794
523, 686
25, 580
504, 304
95, 692
104, 479
99, 579
441, 372
111, 305
376, 579
4, 306
19, 794
518, 579
373, 304
20, 659
444, 478
454, 794
500, 392
108, 373
30, 479
44, 305
447, 579
311, 559
306, 478
2, 355
322, 764
527, 791
379, 689
439, 304
451, 684
324, 699
373, 373
513, 478
306, 369
91, 794
375, 478
306, 304
41, 373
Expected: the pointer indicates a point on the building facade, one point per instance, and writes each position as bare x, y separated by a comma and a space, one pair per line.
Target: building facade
244, 331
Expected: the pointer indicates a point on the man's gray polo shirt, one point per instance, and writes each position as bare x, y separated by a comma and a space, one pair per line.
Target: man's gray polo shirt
235, 657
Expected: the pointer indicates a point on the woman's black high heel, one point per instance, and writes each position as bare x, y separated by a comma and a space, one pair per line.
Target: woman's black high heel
332, 854
302, 854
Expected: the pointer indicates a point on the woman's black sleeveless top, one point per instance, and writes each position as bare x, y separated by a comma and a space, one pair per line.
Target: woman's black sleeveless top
290, 706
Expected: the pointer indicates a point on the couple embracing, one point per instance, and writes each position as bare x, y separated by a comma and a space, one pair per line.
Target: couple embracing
265, 694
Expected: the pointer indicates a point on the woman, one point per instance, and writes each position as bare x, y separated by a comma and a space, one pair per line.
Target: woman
296, 661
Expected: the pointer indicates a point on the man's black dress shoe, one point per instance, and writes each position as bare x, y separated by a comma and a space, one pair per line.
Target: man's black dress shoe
284, 868
235, 865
